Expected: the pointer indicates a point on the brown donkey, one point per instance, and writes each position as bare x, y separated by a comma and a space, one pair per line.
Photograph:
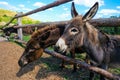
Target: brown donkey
9, 30
103, 49
40, 40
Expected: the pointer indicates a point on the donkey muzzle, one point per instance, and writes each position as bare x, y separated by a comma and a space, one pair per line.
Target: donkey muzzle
60, 46
22, 63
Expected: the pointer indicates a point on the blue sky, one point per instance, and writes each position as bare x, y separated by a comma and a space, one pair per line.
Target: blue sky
107, 8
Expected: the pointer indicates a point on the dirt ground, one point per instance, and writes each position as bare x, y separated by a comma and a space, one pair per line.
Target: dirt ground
46, 68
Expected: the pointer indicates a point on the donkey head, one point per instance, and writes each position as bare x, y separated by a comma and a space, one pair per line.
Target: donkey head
74, 33
34, 49
9, 30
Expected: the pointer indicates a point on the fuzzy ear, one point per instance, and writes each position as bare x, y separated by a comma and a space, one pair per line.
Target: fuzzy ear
91, 13
45, 35
73, 10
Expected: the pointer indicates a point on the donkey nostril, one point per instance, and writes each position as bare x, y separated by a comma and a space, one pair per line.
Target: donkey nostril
56, 48
20, 63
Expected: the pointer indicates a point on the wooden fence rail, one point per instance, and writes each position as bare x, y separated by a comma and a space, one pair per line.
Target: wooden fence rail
101, 22
19, 30
43, 24
105, 73
55, 3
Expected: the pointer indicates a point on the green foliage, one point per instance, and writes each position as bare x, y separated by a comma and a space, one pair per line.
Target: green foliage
26, 38
6, 16
115, 70
111, 30
27, 20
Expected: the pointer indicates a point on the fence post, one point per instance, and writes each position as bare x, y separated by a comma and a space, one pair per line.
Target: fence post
19, 30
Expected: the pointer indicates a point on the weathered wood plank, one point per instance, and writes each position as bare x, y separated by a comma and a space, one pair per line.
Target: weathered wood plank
102, 22
54, 4
84, 65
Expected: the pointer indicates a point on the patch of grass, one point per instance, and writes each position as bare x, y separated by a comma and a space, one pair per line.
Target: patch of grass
116, 70
80, 56
50, 48
26, 37
6, 16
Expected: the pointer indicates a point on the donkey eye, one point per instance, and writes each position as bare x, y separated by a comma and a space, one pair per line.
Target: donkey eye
74, 31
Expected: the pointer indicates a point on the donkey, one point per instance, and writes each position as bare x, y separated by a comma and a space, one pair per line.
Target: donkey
40, 40
103, 49
7, 31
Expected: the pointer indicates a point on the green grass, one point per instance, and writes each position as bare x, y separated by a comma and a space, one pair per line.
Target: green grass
7, 15
116, 70
26, 38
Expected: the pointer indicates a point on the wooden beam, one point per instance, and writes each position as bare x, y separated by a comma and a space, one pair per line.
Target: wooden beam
19, 30
84, 65
106, 22
101, 22
54, 4
40, 25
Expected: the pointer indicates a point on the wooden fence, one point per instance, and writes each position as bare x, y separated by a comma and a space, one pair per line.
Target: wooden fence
105, 73
104, 22
19, 15
96, 22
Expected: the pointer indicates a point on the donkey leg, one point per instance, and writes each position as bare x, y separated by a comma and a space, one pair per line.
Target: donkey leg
63, 62
103, 67
92, 74
87, 59
73, 56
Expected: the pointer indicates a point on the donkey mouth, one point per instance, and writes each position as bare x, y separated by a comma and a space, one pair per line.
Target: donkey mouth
22, 63
60, 49
61, 46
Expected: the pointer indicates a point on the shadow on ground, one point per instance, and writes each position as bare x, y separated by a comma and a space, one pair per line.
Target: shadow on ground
49, 66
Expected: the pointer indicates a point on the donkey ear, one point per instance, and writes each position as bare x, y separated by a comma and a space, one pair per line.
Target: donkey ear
45, 35
73, 10
91, 13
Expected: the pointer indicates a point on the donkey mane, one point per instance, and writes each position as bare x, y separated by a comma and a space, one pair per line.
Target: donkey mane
38, 33
103, 38
92, 32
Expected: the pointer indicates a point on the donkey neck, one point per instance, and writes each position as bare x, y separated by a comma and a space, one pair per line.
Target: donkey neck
91, 34
94, 41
